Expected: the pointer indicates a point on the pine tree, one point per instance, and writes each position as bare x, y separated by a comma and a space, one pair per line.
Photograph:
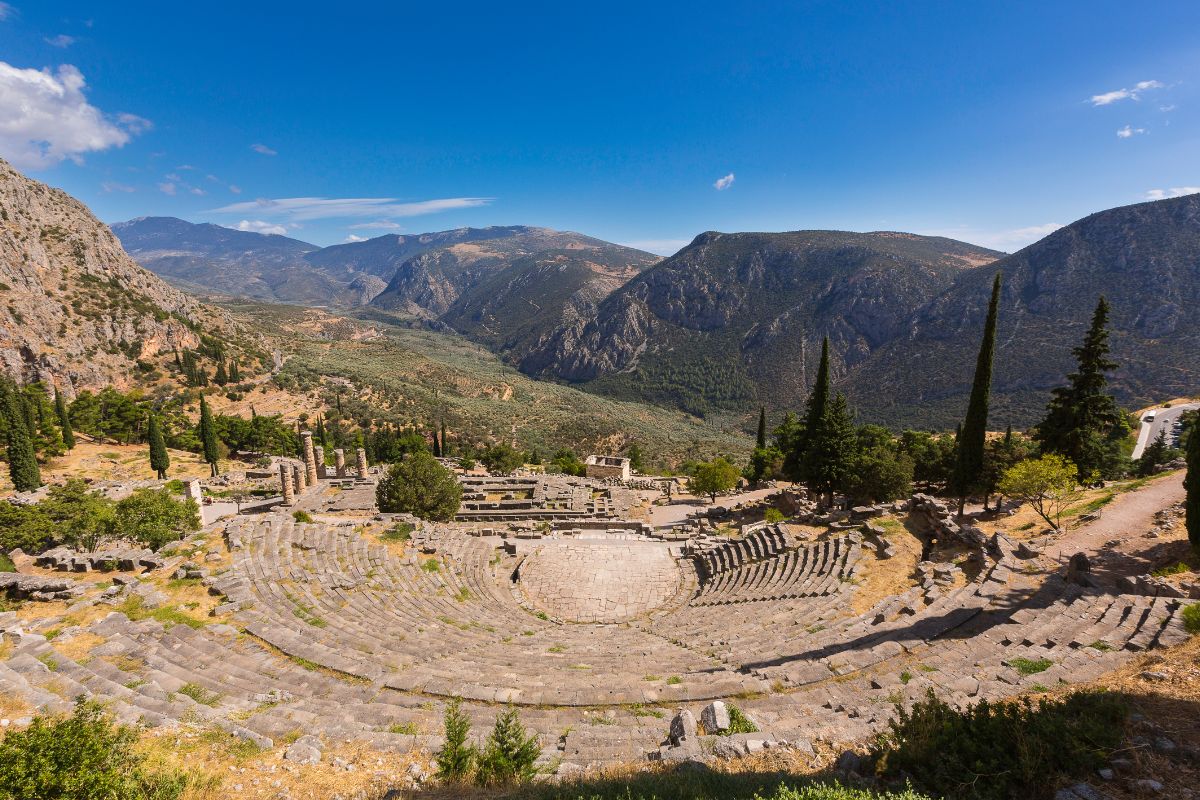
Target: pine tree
64, 420
456, 758
160, 460
1083, 421
1191, 483
208, 436
761, 440
831, 449
968, 462
22, 460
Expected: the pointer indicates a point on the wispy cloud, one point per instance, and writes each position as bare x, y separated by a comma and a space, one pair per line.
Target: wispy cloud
662, 247
1108, 98
1128, 132
7, 11
262, 149
724, 183
379, 224
47, 118
1174, 191
307, 208
235, 189
352, 238
259, 226
114, 186
1006, 240
62, 41
166, 187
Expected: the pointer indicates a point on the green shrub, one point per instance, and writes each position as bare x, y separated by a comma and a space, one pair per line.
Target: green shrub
456, 760
1030, 666
1174, 569
508, 756
420, 486
1191, 618
401, 532
739, 722
80, 757
302, 516
774, 515
1003, 750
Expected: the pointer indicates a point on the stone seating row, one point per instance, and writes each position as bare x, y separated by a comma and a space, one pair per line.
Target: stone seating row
813, 570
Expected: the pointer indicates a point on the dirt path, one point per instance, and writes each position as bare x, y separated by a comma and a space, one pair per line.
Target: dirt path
1118, 539
681, 507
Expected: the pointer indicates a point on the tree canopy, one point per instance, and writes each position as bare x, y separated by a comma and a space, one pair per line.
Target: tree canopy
1049, 484
421, 486
713, 478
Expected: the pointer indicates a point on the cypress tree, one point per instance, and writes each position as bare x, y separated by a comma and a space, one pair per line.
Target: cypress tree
831, 450
818, 406
22, 460
437, 446
208, 436
160, 460
222, 376
761, 441
64, 420
444, 446
968, 461
1083, 421
235, 374
1191, 482
322, 436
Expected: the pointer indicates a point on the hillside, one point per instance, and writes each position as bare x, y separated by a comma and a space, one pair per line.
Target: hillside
77, 311
732, 314
1144, 258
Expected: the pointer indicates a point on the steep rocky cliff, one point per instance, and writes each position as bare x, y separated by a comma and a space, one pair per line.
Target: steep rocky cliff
75, 310
738, 318
1144, 258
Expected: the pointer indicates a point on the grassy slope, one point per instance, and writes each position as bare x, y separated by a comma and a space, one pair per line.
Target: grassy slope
419, 375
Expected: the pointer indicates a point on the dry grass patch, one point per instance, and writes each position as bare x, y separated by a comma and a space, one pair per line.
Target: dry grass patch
881, 578
79, 647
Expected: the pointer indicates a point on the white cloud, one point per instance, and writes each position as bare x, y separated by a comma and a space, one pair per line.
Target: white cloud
61, 41
381, 225
262, 149
1108, 98
167, 188
722, 184
1174, 191
1167, 108
45, 118
308, 208
259, 226
354, 238
1007, 241
6, 11
662, 247
1127, 132
196, 190
113, 186
235, 189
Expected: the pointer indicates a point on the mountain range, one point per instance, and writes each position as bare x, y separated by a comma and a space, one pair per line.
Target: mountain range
735, 320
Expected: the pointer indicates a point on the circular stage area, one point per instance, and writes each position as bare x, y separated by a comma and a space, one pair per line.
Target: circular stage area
598, 580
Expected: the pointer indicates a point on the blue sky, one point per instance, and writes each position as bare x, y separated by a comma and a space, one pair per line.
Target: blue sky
641, 123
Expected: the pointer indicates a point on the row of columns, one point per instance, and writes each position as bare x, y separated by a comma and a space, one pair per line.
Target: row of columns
293, 479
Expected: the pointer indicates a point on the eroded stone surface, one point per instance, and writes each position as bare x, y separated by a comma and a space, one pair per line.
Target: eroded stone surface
599, 580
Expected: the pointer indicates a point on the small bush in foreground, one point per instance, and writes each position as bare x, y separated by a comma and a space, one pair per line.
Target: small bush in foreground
1191, 618
739, 722
509, 754
80, 757
302, 516
1003, 750
697, 785
456, 759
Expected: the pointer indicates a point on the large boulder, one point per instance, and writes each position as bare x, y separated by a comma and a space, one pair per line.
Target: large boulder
683, 727
715, 717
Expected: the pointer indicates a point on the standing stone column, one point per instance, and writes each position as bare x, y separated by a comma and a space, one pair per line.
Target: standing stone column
362, 462
310, 458
298, 478
339, 462
192, 490
285, 483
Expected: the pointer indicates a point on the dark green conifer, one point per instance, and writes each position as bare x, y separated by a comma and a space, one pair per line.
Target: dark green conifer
160, 460
22, 460
64, 420
761, 440
968, 462
1083, 422
1191, 483
208, 436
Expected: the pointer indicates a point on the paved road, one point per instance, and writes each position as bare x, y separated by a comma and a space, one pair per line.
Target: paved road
1163, 417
